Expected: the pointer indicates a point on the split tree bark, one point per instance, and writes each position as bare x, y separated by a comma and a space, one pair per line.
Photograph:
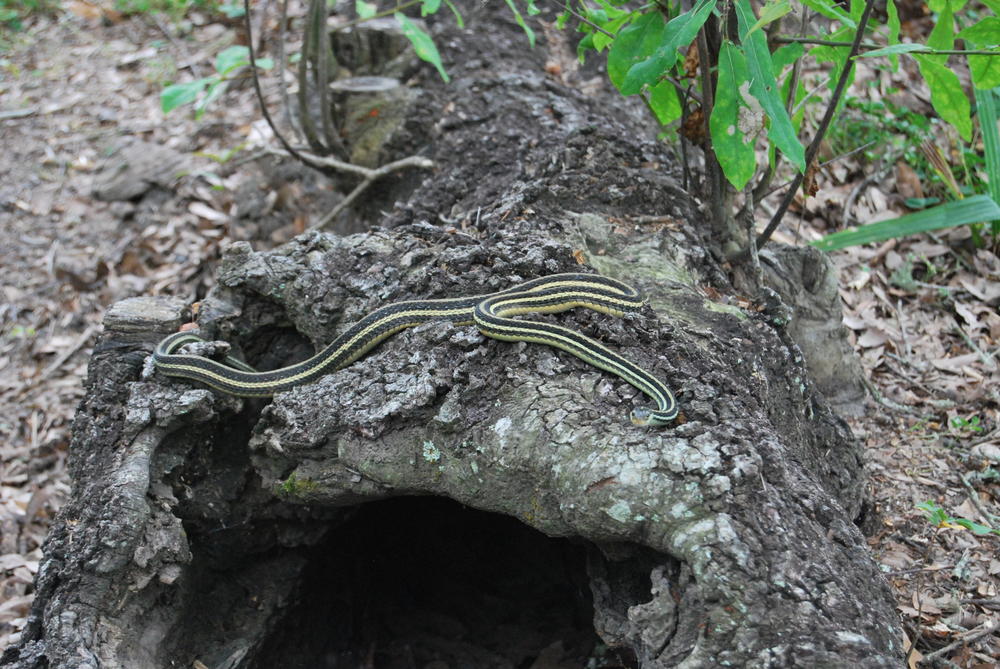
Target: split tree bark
459, 500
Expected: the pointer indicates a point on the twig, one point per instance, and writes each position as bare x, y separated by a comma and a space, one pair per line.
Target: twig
18, 113
781, 39
69, 352
985, 603
885, 401
968, 637
286, 103
367, 174
821, 130
260, 93
987, 358
985, 438
991, 520
155, 18
856, 192
584, 19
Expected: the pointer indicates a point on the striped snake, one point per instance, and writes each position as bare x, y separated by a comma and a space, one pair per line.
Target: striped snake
491, 313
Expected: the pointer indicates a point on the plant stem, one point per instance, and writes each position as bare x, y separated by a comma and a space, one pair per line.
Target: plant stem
823, 126
260, 93
784, 39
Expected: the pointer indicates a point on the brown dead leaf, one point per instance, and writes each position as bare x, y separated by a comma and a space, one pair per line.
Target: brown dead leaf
908, 182
981, 287
956, 365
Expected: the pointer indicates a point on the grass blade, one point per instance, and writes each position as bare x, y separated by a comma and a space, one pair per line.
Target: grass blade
973, 209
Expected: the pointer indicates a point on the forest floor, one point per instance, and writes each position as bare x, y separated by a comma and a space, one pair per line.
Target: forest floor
78, 85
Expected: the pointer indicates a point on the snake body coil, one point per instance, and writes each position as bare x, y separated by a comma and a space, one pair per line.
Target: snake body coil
491, 313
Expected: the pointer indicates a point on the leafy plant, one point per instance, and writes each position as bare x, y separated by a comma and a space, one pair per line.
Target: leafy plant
745, 94
970, 424
939, 518
207, 89
13, 12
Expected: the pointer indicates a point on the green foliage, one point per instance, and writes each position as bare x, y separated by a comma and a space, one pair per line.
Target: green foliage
939, 518
207, 89
736, 117
423, 45
14, 12
764, 87
952, 214
752, 90
970, 424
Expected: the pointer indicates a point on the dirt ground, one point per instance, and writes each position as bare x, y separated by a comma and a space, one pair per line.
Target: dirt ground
77, 87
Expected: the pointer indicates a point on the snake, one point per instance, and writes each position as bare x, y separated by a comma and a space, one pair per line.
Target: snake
491, 313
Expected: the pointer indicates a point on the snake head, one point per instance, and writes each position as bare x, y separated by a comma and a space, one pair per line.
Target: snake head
641, 416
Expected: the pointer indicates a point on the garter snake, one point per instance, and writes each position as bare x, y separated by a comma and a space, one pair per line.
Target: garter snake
491, 313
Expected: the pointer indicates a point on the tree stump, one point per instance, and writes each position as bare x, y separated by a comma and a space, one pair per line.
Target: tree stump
455, 501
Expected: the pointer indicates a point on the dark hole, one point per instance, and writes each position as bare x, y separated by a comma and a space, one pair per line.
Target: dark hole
424, 582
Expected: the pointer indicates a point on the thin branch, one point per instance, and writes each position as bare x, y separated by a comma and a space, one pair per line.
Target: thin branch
864, 48
584, 19
368, 176
260, 93
821, 130
964, 639
371, 176
991, 520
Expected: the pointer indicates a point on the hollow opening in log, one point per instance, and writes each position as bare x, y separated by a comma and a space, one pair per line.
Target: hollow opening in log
427, 582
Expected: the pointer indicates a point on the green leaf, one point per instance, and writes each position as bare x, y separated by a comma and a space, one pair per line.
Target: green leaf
233, 11
764, 87
985, 33
175, 95
458, 15
215, 89
664, 102
520, 21
935, 514
830, 11
601, 40
680, 31
423, 45
985, 71
785, 55
585, 45
772, 11
893, 24
975, 209
986, 102
938, 6
365, 10
943, 33
428, 7
947, 96
612, 11
975, 527
229, 59
633, 44
993, 4
895, 49
735, 121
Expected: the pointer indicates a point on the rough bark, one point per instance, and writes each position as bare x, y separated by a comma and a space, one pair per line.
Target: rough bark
303, 532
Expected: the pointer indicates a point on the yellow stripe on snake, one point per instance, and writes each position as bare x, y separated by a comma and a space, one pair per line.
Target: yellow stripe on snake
491, 313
